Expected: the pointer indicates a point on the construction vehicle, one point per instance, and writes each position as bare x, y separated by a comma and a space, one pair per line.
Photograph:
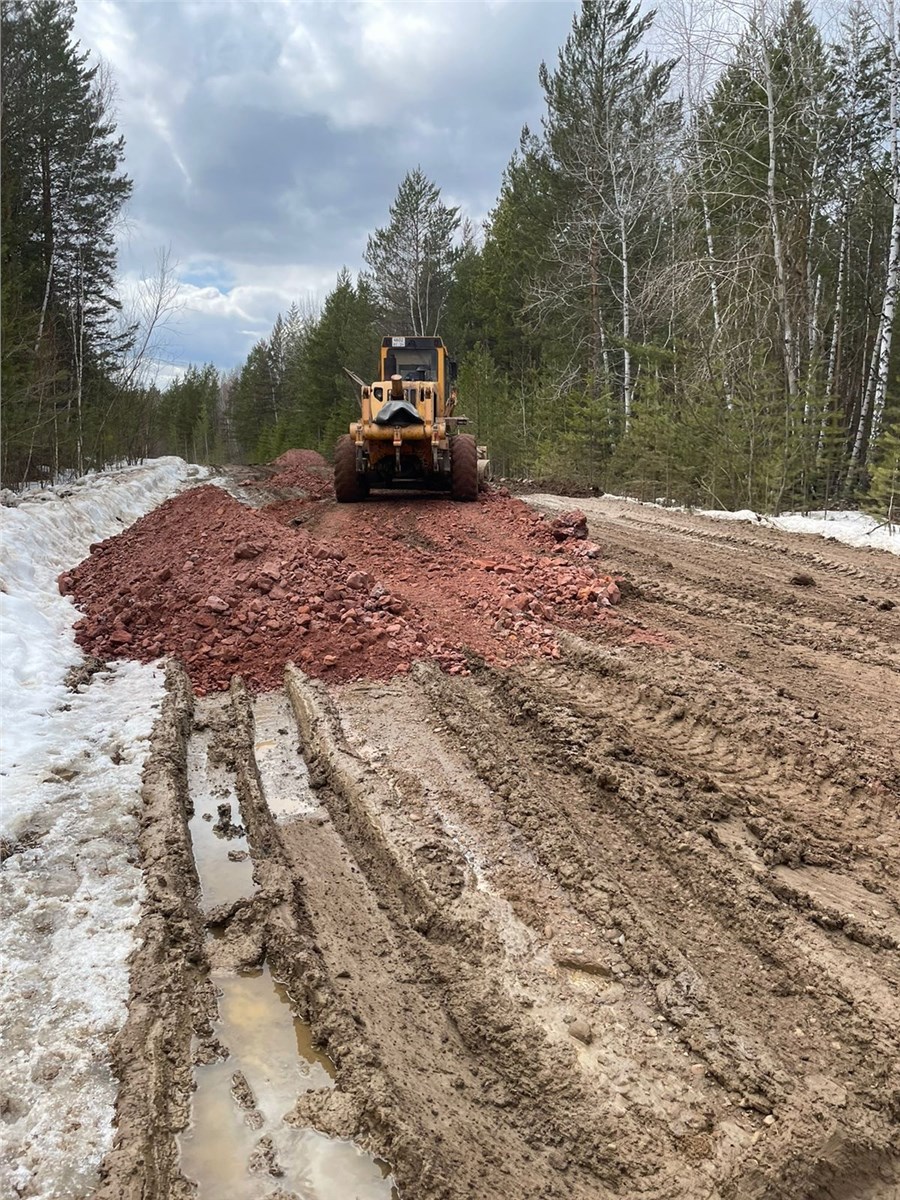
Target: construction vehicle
407, 434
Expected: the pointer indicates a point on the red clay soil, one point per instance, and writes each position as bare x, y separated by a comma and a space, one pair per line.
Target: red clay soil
345, 591
304, 470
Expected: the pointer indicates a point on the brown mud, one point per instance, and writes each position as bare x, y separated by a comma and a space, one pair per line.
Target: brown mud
622, 923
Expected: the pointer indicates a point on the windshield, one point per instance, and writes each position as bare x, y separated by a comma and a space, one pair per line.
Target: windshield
412, 364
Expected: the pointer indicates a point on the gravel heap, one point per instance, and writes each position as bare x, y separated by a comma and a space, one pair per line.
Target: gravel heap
300, 469
229, 589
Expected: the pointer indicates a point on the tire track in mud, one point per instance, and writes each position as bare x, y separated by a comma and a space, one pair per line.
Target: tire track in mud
832, 649
739, 739
741, 980
196, 940
872, 565
495, 1110
622, 924
536, 830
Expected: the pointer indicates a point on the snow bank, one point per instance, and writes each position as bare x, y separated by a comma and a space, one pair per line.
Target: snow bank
851, 528
70, 772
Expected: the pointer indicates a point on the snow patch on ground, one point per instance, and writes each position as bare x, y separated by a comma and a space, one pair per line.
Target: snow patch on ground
850, 527
70, 774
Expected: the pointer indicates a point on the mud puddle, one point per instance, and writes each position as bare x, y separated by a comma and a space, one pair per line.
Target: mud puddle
238, 1142
241, 1142
221, 852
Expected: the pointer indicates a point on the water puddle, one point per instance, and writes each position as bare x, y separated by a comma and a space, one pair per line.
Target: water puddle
282, 769
237, 1146
221, 855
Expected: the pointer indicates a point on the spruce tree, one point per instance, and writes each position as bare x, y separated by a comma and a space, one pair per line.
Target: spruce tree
62, 193
413, 258
883, 496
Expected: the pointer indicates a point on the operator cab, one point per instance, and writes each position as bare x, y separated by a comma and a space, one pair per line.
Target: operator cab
414, 359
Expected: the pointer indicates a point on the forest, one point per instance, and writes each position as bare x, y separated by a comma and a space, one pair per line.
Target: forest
685, 290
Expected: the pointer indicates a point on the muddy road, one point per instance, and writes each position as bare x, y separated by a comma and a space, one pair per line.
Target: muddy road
617, 917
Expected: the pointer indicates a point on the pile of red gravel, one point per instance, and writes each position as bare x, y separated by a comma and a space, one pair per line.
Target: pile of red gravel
233, 590
304, 470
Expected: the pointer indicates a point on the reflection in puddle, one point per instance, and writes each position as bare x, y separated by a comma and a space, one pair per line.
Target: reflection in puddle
221, 1149
222, 880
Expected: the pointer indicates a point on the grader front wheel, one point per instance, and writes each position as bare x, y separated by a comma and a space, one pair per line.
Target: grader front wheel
463, 467
349, 487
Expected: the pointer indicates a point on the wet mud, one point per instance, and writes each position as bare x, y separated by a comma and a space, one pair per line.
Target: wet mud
623, 923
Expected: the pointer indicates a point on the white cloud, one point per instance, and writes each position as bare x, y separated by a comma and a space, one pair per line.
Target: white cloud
266, 140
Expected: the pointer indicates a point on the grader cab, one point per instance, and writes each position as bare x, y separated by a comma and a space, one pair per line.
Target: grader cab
408, 434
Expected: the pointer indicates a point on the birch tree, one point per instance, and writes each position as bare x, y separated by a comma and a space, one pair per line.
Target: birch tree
609, 131
876, 391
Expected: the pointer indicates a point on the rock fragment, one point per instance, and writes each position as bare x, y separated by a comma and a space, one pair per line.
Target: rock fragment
581, 1030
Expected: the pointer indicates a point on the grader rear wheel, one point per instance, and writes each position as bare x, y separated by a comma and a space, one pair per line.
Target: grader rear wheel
463, 467
349, 487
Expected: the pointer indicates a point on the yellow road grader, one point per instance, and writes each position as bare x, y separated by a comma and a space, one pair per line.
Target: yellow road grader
407, 434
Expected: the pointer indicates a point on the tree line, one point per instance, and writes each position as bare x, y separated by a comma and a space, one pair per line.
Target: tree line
74, 357
687, 287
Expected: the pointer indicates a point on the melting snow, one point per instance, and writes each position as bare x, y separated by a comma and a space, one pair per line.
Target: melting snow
840, 525
70, 773
851, 528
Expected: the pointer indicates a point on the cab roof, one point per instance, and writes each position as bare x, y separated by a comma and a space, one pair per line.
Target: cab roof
411, 342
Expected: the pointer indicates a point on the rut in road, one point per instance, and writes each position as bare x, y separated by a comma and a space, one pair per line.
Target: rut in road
545, 949
623, 922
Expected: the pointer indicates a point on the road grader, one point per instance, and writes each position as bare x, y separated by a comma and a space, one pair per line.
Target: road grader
408, 434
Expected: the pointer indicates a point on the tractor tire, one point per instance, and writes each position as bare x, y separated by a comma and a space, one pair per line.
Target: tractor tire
349, 487
463, 467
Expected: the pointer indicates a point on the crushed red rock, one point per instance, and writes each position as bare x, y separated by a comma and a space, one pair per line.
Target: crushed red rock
569, 525
301, 470
346, 592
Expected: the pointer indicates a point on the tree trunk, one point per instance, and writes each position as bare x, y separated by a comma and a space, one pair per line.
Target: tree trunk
713, 284
626, 324
892, 283
47, 221
781, 296
596, 321
876, 390
835, 347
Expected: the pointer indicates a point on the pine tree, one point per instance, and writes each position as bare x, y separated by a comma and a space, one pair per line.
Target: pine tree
413, 258
609, 131
62, 193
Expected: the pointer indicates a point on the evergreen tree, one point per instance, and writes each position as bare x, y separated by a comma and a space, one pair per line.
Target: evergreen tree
252, 405
883, 496
462, 324
62, 193
189, 412
610, 132
346, 335
413, 258
513, 260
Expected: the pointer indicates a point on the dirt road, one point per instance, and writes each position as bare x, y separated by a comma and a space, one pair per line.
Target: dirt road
616, 917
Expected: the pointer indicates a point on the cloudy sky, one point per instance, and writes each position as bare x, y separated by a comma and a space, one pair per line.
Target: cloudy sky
266, 138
